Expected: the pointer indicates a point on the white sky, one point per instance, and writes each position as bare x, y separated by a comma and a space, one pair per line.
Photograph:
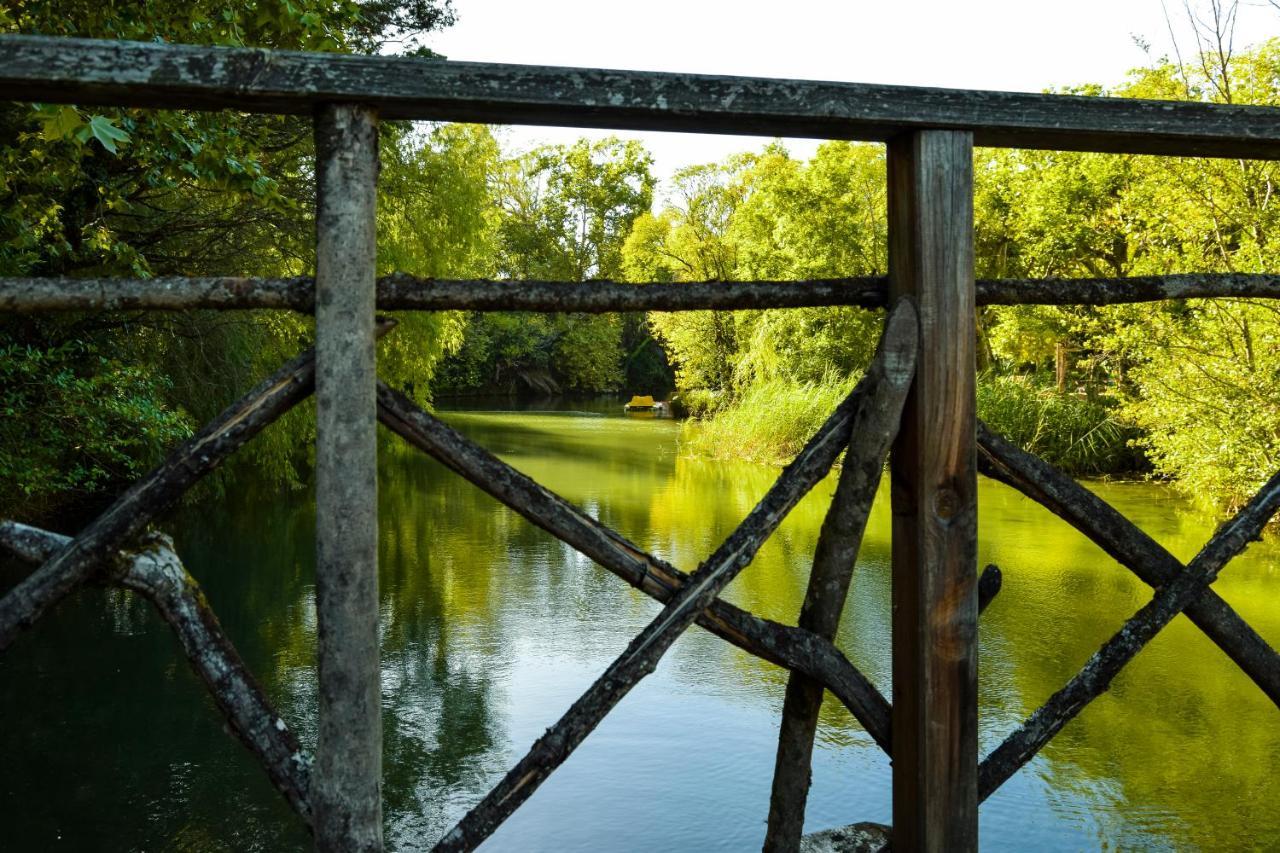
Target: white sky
1017, 45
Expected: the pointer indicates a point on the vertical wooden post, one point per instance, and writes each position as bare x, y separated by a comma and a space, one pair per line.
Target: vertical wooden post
933, 467
347, 786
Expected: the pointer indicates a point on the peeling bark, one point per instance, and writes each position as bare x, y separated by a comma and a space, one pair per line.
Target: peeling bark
129, 515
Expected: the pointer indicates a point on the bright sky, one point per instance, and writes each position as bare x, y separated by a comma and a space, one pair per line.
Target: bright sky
1018, 45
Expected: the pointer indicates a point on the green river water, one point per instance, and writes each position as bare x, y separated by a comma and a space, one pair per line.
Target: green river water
491, 628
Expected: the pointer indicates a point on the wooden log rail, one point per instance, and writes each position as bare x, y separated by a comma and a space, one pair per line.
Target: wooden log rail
1096, 676
403, 292
121, 73
130, 514
793, 648
1121, 539
889, 375
930, 731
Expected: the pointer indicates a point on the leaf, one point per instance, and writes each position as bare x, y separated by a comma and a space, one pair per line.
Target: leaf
107, 133
62, 124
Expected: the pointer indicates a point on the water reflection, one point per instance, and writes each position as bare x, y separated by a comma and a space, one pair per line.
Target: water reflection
491, 628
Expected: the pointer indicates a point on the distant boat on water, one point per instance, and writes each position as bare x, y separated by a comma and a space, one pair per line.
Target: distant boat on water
644, 404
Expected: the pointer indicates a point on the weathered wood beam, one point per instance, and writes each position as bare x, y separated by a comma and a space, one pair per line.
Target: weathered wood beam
839, 542
347, 794
934, 498
1122, 540
129, 515
1105, 664
85, 71
155, 572
784, 645
403, 292
684, 607
1126, 290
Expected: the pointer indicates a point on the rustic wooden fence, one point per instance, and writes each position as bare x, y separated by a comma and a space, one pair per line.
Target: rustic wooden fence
915, 406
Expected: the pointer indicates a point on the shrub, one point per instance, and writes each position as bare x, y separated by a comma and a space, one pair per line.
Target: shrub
1075, 433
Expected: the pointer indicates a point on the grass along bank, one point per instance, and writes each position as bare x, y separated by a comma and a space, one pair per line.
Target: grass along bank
770, 421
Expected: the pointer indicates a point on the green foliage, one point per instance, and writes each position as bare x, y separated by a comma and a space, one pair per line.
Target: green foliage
1080, 435
769, 422
565, 214
88, 192
767, 217
103, 421
1197, 380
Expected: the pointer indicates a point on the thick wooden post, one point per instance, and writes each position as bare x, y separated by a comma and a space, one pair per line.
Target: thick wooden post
933, 466
347, 795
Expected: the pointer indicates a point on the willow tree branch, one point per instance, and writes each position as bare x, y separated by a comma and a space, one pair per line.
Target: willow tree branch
156, 573
644, 652
1096, 676
1132, 548
784, 645
154, 493
834, 558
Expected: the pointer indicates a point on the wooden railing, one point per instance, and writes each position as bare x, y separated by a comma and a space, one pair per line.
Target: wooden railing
915, 407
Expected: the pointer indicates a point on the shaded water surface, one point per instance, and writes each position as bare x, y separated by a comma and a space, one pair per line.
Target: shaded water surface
491, 628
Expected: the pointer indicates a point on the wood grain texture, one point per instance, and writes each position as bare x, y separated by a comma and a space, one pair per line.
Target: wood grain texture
85, 71
934, 496
347, 792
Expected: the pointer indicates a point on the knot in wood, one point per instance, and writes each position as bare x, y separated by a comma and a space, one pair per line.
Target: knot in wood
946, 503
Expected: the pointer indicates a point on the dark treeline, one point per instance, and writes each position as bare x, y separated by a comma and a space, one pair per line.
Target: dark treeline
1188, 390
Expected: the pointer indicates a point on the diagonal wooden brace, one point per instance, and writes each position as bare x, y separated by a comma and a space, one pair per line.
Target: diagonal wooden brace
1133, 549
156, 573
1096, 676
642, 655
790, 647
130, 514
839, 542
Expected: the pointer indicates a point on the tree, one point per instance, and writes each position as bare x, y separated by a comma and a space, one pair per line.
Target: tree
565, 214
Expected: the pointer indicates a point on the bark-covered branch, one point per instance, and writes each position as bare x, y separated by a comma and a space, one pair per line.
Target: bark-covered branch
888, 370
1127, 544
836, 553
156, 573
1096, 676
404, 292
784, 645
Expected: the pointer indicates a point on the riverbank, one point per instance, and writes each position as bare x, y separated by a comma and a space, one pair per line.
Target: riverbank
770, 421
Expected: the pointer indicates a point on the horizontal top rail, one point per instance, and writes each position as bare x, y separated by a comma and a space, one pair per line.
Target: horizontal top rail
404, 292
121, 73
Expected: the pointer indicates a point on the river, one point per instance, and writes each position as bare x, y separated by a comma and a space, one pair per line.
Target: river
491, 628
